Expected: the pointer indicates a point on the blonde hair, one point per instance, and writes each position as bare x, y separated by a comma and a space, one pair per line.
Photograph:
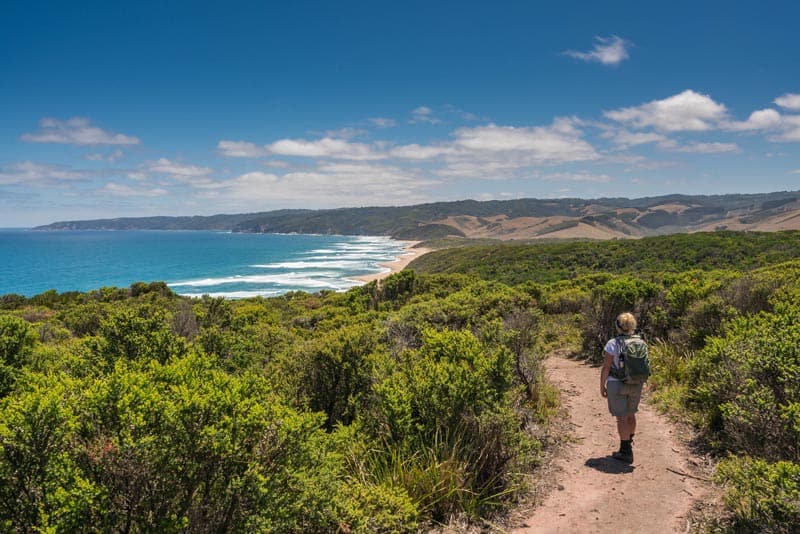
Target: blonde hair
626, 322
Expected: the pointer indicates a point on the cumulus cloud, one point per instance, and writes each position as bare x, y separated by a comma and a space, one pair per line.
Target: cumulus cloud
607, 50
577, 177
470, 151
254, 184
498, 169
37, 174
559, 143
76, 131
382, 122
326, 147
122, 190
686, 111
277, 164
241, 149
323, 148
421, 152
114, 156
789, 101
764, 119
180, 172
626, 138
337, 183
790, 130
706, 148
345, 133
423, 114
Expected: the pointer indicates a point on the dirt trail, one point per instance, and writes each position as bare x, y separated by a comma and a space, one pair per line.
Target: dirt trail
596, 493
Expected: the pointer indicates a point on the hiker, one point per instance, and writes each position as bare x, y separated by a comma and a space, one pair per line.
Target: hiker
625, 369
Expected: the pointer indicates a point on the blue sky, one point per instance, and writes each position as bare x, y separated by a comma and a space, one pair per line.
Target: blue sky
178, 108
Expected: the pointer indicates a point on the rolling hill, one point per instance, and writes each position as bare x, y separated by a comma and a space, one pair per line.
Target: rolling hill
521, 219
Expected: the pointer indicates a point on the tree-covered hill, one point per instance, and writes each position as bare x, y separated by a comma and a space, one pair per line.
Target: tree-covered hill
551, 262
509, 219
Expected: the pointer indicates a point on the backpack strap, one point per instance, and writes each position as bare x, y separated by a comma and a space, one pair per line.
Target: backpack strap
617, 373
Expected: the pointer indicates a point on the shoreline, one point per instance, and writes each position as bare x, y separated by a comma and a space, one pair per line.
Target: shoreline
397, 265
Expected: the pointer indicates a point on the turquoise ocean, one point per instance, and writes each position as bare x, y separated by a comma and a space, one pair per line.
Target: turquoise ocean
193, 263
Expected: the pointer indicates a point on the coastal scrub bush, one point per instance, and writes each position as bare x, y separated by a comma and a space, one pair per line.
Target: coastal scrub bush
444, 412
41, 485
84, 319
743, 385
336, 372
764, 497
16, 340
140, 333
472, 307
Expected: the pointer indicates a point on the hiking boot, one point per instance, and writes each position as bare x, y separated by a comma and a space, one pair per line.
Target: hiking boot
623, 456
625, 452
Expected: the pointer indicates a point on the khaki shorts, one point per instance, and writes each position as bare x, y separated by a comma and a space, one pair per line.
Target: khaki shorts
623, 399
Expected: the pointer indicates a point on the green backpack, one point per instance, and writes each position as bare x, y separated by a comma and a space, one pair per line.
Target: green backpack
634, 366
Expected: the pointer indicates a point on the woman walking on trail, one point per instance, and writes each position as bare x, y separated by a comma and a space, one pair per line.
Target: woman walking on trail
622, 391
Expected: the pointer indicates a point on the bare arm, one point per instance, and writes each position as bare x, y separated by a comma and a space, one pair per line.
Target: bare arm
609, 359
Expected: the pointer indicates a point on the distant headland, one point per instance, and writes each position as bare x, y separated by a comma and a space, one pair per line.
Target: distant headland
563, 218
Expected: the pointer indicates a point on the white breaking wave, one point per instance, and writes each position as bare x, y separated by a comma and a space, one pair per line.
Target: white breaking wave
331, 267
321, 279
237, 294
346, 264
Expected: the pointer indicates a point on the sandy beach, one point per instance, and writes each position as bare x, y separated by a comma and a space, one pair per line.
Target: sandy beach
399, 264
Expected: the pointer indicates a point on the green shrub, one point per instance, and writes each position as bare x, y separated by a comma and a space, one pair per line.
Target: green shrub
16, 340
764, 497
141, 333
336, 370
744, 385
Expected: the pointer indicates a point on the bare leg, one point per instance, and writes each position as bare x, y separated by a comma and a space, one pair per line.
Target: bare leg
626, 426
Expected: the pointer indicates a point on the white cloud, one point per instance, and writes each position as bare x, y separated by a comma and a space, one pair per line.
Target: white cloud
559, 143
181, 172
114, 156
277, 164
764, 119
626, 138
241, 149
345, 133
32, 173
706, 148
326, 147
121, 190
577, 177
323, 148
423, 114
420, 152
382, 122
789, 101
333, 183
76, 131
607, 50
686, 111
498, 169
790, 126
254, 184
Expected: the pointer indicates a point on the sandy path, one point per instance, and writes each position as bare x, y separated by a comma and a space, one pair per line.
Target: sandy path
596, 493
